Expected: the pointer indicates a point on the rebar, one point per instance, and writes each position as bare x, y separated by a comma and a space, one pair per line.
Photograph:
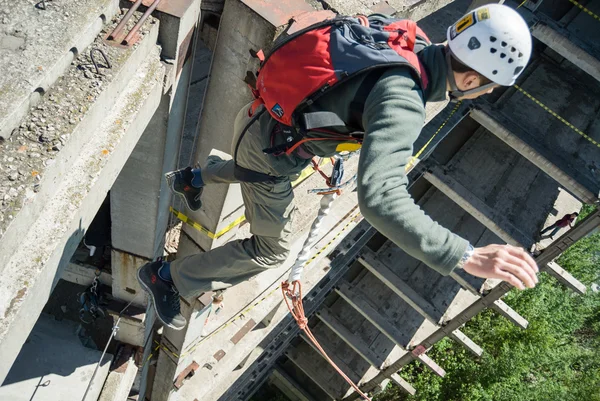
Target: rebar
95, 49
123, 22
139, 24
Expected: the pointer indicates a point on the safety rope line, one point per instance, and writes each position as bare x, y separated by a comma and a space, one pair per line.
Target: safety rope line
586, 10
559, 118
521, 5
293, 299
113, 333
412, 161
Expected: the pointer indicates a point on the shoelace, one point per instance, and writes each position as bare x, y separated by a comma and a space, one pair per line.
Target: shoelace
175, 299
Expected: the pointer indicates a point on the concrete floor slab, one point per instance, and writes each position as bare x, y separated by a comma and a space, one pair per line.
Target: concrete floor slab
38, 45
53, 365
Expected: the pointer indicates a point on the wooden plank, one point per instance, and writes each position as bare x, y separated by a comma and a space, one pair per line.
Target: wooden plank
466, 342
565, 278
509, 313
400, 287
355, 342
289, 386
403, 384
304, 362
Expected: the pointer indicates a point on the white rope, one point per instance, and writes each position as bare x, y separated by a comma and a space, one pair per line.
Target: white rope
313, 234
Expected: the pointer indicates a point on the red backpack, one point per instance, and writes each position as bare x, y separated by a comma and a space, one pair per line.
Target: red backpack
310, 62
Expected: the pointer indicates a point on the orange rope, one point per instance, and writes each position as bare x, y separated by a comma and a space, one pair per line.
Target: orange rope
294, 294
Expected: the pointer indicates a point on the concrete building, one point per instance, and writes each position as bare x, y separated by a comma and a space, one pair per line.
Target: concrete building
91, 119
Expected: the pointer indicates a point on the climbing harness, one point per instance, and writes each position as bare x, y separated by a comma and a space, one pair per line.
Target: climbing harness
91, 302
292, 288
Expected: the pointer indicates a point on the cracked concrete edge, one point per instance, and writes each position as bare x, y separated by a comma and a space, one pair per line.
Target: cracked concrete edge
80, 135
52, 240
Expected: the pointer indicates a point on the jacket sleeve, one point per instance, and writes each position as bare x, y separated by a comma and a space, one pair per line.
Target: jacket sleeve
393, 118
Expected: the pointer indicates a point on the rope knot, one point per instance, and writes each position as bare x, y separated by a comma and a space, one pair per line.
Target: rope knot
302, 323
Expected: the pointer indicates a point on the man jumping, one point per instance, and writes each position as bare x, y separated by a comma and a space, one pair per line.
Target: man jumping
489, 47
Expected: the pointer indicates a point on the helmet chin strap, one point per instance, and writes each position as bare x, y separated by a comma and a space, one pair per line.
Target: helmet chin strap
456, 93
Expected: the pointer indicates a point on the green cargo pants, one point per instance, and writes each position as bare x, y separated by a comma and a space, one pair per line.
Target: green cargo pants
269, 210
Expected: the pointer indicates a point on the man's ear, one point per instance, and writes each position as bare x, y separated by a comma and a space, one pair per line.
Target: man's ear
470, 80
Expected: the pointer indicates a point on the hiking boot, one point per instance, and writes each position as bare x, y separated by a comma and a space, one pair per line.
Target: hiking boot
180, 182
163, 294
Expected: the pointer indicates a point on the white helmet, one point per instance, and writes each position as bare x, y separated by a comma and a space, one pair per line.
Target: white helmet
493, 40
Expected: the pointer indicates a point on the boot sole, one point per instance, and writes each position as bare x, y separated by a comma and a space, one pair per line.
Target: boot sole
151, 296
170, 177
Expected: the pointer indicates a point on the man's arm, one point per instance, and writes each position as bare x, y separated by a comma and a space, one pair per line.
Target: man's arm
393, 118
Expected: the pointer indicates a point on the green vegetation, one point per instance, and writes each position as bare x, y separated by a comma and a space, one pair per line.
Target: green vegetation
556, 359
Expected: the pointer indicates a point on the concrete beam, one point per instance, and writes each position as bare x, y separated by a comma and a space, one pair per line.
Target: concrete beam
120, 380
331, 353
565, 278
403, 384
50, 240
431, 365
354, 341
125, 285
489, 217
566, 48
304, 363
84, 275
370, 312
400, 287
542, 158
359, 302
288, 386
466, 342
509, 313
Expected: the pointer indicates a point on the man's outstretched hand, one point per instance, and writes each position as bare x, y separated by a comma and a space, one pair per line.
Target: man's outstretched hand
505, 262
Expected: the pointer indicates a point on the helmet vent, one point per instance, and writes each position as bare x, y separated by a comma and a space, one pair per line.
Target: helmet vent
492, 50
495, 72
512, 50
504, 44
520, 55
510, 60
492, 39
502, 55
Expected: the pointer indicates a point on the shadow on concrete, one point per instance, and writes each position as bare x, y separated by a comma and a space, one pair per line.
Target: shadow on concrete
54, 363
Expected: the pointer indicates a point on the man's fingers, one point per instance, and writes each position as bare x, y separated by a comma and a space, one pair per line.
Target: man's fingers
519, 272
523, 255
510, 279
513, 260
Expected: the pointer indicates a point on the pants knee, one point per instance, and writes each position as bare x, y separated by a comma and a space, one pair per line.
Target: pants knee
268, 254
